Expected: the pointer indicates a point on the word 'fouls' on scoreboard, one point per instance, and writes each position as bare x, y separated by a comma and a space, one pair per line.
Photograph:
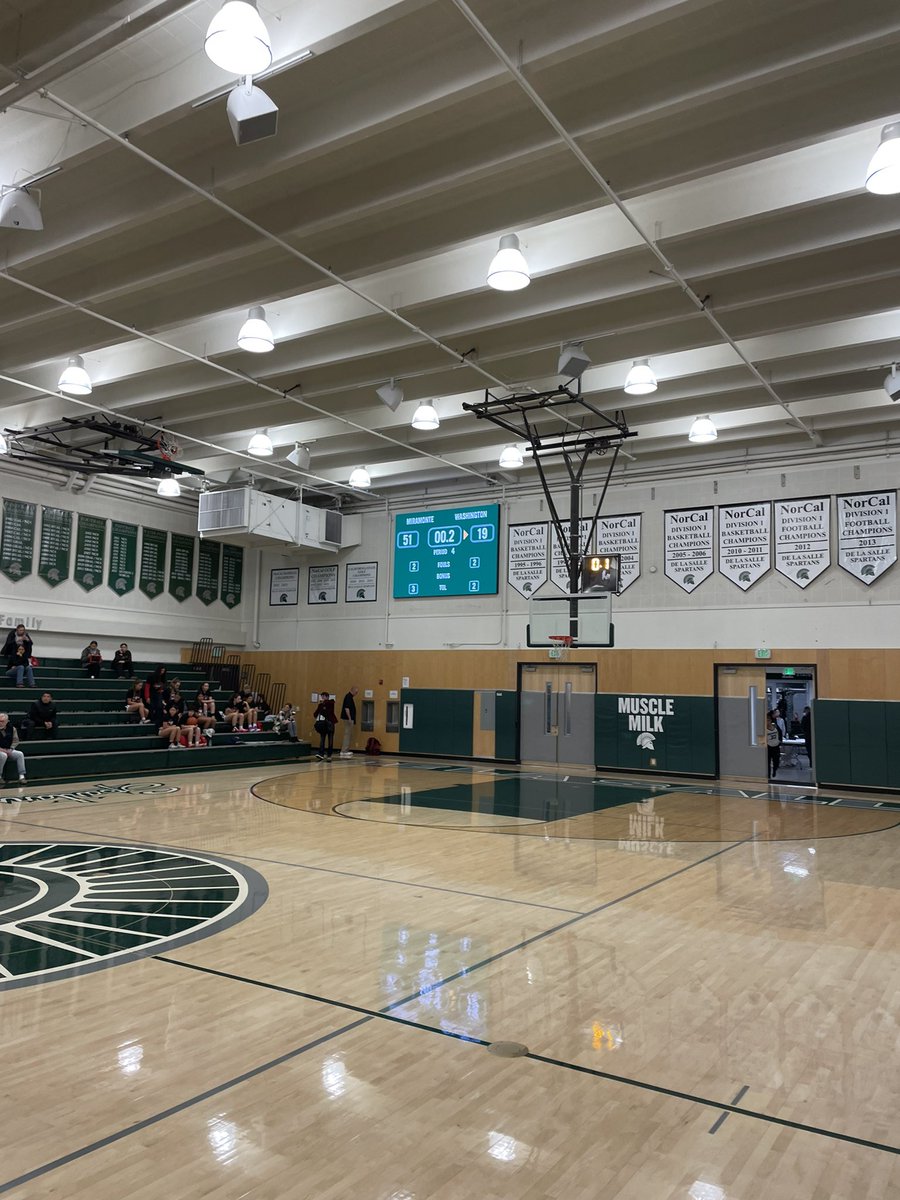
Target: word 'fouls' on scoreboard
447, 552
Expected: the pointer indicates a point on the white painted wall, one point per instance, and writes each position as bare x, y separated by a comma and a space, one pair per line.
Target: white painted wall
834, 611
63, 619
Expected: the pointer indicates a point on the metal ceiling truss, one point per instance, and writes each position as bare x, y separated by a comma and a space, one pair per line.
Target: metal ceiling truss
589, 432
97, 445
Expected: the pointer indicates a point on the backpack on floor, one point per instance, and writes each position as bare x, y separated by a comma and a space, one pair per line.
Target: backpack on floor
373, 746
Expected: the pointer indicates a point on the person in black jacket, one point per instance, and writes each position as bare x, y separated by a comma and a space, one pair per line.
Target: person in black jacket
42, 715
122, 663
8, 742
19, 667
14, 638
348, 718
324, 722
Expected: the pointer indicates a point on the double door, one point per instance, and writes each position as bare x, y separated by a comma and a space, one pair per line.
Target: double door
557, 713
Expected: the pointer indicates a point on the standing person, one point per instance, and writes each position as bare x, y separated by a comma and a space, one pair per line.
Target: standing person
42, 715
325, 720
9, 740
773, 744
92, 660
17, 637
155, 703
348, 717
122, 663
806, 732
780, 725
19, 666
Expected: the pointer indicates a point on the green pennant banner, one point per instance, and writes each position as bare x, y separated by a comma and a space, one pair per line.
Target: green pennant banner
122, 557
17, 539
208, 558
54, 552
181, 567
90, 550
153, 562
232, 574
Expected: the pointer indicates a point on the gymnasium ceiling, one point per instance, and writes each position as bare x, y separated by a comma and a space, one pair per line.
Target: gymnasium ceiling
735, 134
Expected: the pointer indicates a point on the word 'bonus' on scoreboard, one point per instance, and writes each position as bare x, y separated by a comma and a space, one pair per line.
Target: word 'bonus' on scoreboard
447, 552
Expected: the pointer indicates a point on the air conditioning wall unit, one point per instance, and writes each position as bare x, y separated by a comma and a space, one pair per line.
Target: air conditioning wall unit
251, 518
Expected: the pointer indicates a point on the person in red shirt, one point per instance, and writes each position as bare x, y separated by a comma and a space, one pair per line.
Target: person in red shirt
325, 720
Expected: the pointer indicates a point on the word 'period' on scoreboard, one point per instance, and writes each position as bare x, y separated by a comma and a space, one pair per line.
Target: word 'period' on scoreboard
447, 552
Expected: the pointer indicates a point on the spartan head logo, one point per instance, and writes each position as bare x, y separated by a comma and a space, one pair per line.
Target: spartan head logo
868, 569
646, 741
803, 573
744, 577
322, 596
690, 579
360, 593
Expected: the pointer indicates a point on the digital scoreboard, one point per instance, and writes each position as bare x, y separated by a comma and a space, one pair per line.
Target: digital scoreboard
447, 552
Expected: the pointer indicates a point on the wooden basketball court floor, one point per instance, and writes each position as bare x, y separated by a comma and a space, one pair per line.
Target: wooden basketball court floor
294, 984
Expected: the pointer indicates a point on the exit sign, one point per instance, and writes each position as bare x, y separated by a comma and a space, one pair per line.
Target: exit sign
763, 653
788, 671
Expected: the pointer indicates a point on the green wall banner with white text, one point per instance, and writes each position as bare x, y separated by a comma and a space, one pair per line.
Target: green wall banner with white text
153, 562
181, 567
17, 539
54, 551
232, 574
122, 557
90, 550
208, 559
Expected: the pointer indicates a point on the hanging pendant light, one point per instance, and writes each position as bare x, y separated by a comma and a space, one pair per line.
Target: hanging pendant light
508, 271
237, 39
255, 334
426, 418
75, 380
359, 478
883, 175
260, 445
641, 380
169, 487
702, 431
511, 458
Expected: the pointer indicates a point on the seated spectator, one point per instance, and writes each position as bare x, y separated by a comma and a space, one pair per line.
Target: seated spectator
175, 696
205, 721
236, 712
135, 703
19, 667
122, 663
17, 637
42, 715
285, 724
257, 706
190, 730
9, 741
170, 729
206, 701
92, 659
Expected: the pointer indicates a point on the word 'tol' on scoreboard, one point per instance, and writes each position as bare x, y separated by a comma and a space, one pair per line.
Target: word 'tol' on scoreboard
447, 552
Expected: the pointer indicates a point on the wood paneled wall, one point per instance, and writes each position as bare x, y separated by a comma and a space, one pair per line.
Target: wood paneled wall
841, 674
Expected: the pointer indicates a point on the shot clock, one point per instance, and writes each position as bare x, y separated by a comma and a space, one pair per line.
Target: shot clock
600, 573
447, 552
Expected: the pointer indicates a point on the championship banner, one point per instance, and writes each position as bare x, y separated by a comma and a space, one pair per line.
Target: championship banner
208, 559
527, 557
181, 567
745, 542
559, 572
153, 562
622, 536
322, 585
867, 534
689, 546
803, 538
90, 550
122, 557
17, 539
232, 575
55, 548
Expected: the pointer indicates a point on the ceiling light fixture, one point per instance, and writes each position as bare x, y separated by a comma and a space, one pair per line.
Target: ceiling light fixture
883, 175
508, 271
237, 39
702, 432
75, 380
511, 458
640, 380
260, 445
19, 210
390, 394
300, 457
255, 334
573, 360
360, 478
892, 383
169, 487
426, 418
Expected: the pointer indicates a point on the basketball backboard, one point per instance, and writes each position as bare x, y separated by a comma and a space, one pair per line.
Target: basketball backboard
550, 617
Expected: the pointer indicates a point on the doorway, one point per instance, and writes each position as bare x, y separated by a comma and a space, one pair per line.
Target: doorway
557, 713
745, 694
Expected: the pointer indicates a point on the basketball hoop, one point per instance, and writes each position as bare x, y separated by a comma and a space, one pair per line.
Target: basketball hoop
562, 644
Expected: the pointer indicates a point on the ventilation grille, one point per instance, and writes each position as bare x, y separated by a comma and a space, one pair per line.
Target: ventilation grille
222, 510
334, 523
